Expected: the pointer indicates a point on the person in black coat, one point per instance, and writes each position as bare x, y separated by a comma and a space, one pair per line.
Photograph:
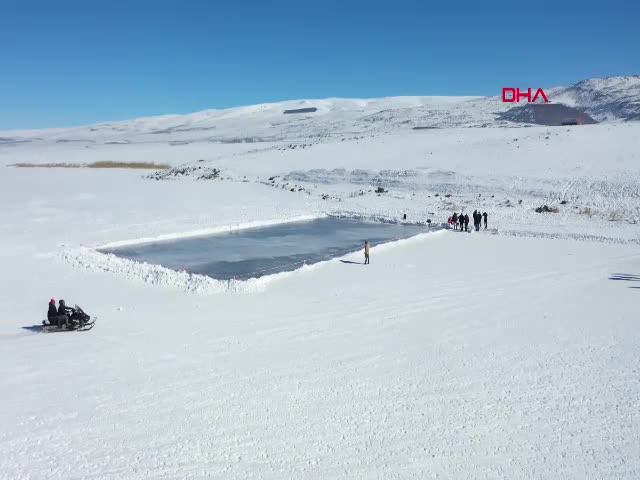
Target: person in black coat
63, 309
466, 222
461, 222
64, 313
454, 220
485, 219
52, 313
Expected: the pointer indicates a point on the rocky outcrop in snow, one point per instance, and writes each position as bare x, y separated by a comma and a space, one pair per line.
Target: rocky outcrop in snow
550, 114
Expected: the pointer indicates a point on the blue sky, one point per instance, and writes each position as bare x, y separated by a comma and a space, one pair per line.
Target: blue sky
76, 62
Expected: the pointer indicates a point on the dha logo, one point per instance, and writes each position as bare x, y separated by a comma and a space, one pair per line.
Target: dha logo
510, 95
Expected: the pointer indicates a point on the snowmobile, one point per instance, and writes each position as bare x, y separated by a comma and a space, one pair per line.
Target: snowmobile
77, 320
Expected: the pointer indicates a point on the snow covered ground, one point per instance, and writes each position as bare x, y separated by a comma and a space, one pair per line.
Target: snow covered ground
511, 353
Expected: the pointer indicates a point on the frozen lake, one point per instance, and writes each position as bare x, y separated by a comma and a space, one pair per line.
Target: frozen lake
255, 252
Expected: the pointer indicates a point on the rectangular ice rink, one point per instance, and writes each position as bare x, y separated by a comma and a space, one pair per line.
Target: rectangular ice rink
255, 252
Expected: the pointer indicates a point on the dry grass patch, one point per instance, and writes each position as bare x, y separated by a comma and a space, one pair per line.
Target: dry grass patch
134, 165
130, 165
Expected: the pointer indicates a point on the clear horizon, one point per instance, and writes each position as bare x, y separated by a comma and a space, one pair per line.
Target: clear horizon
74, 64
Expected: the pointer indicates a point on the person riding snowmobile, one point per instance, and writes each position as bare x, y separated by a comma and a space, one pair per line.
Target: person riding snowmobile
63, 309
54, 316
69, 318
64, 313
52, 310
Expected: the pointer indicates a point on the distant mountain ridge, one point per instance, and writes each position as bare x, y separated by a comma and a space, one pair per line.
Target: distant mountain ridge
603, 99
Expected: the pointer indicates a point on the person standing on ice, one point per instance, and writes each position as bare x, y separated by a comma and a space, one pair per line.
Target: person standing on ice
466, 222
366, 252
455, 220
484, 215
461, 221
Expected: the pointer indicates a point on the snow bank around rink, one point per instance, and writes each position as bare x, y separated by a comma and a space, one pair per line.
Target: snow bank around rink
92, 259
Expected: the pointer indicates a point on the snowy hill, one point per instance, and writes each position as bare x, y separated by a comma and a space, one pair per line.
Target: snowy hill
606, 99
269, 122
316, 121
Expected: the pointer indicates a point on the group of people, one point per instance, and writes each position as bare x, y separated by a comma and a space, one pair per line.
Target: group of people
58, 316
461, 221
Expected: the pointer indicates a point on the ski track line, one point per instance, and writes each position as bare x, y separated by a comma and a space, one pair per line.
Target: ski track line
569, 236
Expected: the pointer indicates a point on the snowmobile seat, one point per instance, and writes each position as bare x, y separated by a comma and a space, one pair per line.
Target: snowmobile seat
57, 320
